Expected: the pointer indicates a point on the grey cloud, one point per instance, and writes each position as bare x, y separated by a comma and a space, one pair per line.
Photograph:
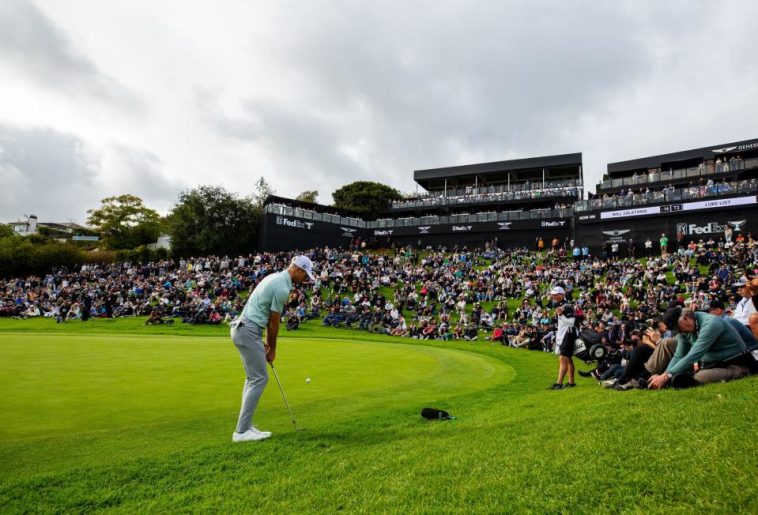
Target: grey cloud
32, 44
442, 80
54, 175
241, 127
44, 172
445, 83
143, 175
304, 145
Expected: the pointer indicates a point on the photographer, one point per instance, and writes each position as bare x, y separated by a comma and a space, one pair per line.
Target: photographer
635, 375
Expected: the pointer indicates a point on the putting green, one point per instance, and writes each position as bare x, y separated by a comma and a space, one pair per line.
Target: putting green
67, 397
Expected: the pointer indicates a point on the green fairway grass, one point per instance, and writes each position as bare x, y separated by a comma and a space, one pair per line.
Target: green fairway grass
114, 415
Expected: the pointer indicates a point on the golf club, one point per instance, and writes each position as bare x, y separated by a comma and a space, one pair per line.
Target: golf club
285, 399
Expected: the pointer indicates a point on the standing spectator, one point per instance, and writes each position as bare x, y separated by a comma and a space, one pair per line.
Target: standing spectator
664, 241
565, 337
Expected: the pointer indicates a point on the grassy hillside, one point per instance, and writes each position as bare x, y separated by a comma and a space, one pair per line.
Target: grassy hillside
116, 415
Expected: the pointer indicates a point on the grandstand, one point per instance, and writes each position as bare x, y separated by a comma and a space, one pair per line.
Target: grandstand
504, 203
708, 192
693, 194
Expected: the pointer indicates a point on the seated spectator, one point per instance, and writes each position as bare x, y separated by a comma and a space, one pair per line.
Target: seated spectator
498, 335
156, 318
428, 330
471, 332
702, 338
522, 339
458, 331
717, 308
334, 318
401, 329
293, 322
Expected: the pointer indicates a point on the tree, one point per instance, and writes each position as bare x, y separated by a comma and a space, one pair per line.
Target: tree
210, 220
124, 222
262, 191
308, 196
6, 231
365, 197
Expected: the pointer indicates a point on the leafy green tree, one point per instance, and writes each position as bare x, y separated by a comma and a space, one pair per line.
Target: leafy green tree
6, 231
308, 196
262, 190
210, 220
124, 222
365, 197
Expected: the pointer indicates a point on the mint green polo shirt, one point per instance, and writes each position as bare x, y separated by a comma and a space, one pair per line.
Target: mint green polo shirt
269, 296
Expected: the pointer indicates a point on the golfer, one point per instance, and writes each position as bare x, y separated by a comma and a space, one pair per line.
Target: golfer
262, 311
565, 337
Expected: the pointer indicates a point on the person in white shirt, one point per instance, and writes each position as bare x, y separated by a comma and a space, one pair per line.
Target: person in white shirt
745, 307
565, 338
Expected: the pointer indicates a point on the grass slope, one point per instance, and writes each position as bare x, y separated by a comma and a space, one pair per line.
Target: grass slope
129, 419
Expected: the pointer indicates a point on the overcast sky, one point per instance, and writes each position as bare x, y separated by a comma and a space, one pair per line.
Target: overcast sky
151, 97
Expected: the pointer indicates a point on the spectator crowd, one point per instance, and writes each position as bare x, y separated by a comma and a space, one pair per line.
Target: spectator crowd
459, 294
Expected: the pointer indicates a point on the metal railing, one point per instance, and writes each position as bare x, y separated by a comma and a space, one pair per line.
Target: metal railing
383, 223
489, 216
570, 188
713, 189
657, 175
308, 214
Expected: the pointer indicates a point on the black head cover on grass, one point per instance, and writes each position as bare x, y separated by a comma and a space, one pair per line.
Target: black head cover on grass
435, 414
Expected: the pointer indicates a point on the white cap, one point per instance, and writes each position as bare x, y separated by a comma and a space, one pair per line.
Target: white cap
306, 264
557, 290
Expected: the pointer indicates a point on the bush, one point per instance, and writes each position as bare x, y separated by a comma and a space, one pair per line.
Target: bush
21, 256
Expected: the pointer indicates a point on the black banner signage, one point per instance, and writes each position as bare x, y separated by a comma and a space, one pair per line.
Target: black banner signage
280, 232
668, 209
474, 227
680, 226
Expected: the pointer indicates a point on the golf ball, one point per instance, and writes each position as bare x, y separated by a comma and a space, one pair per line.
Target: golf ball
307, 379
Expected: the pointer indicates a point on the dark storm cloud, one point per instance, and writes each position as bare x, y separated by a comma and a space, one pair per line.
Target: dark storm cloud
33, 45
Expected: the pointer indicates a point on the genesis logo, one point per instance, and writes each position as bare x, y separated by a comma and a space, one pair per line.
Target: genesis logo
618, 232
504, 226
737, 224
297, 224
424, 229
739, 148
348, 232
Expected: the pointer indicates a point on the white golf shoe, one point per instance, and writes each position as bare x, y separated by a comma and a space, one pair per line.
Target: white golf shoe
266, 433
251, 435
